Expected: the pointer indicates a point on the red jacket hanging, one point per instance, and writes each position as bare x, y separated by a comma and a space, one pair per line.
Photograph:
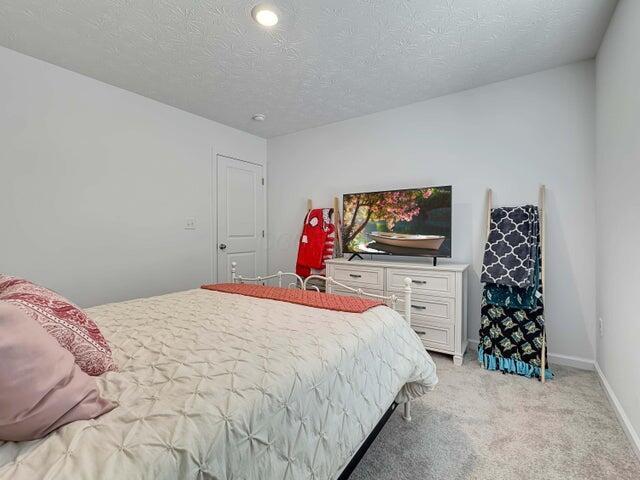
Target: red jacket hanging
316, 241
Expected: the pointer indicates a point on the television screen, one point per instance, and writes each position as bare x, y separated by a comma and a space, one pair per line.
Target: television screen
415, 221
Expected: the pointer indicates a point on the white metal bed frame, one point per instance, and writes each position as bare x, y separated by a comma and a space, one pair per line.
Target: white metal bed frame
393, 299
235, 278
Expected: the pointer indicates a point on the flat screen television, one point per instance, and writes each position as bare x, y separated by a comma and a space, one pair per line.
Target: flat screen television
409, 222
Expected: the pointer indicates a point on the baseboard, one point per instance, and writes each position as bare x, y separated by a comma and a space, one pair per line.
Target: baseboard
571, 361
631, 433
556, 358
472, 345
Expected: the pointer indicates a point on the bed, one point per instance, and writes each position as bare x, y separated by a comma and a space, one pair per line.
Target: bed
222, 386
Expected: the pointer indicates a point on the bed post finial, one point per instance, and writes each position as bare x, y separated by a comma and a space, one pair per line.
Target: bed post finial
406, 415
407, 300
233, 272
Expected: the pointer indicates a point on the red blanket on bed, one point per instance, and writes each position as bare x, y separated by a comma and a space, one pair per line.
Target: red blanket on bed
308, 298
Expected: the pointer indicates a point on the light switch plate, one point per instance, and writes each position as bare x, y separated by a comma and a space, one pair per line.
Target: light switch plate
601, 325
190, 223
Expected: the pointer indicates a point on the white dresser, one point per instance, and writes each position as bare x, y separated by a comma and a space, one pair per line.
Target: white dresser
438, 297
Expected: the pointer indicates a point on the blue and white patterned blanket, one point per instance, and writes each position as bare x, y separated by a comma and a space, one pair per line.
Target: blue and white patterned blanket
510, 253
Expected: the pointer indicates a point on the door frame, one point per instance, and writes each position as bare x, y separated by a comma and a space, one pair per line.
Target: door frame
213, 202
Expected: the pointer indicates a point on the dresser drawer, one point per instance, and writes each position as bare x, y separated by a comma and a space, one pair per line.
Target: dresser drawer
428, 283
355, 277
436, 337
430, 310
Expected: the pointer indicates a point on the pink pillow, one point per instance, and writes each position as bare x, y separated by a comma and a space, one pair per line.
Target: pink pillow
67, 323
41, 388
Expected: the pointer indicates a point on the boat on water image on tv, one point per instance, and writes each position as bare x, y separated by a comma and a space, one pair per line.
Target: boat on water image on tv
409, 222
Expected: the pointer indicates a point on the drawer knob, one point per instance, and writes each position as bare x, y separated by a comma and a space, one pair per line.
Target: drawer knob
353, 275
419, 282
418, 307
420, 332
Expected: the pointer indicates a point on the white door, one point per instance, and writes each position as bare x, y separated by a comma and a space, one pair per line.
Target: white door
241, 218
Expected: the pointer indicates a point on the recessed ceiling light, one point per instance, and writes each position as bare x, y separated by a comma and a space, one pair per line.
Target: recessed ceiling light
259, 117
265, 15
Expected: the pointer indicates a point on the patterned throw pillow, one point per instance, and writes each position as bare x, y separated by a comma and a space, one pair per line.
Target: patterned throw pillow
66, 322
41, 388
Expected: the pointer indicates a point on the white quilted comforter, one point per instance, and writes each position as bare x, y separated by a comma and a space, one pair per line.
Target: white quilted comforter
220, 386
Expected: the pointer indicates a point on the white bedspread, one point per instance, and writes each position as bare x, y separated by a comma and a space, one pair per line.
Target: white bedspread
220, 386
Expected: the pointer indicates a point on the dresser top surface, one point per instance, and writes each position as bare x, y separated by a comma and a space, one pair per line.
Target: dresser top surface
445, 267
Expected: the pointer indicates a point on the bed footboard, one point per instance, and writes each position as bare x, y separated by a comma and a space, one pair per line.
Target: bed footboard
235, 278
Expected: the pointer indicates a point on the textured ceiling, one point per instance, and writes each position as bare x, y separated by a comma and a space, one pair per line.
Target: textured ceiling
327, 60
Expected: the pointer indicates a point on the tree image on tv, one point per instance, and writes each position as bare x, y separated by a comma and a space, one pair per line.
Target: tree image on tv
398, 221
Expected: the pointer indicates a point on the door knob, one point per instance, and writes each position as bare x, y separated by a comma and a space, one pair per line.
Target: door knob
222, 246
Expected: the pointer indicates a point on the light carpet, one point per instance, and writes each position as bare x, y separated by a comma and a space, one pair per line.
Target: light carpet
479, 424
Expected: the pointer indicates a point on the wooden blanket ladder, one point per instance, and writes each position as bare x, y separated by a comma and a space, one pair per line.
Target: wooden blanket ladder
542, 215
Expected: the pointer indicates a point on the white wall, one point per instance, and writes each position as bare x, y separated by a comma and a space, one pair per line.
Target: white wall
511, 136
618, 214
96, 183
